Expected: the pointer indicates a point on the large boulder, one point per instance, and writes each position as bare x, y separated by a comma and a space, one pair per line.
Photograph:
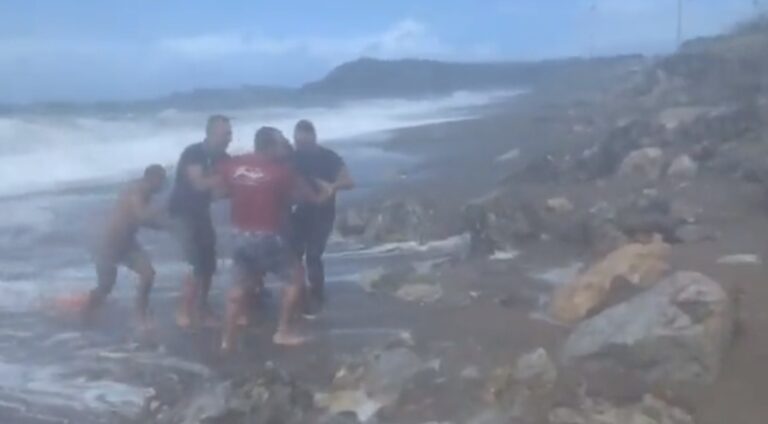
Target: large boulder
604, 159
646, 164
676, 332
639, 264
649, 213
500, 220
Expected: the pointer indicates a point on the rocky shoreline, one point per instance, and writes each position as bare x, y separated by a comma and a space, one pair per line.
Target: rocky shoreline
652, 187
590, 254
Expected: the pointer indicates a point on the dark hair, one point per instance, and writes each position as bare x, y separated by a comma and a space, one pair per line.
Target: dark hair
267, 138
154, 171
306, 126
214, 120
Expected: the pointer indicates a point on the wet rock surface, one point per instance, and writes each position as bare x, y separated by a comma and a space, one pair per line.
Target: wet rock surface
272, 396
650, 411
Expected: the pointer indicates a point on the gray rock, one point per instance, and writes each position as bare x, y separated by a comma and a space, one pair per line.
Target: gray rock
649, 213
273, 397
397, 221
683, 168
650, 411
536, 370
676, 331
646, 164
492, 417
210, 405
343, 418
387, 372
693, 233
352, 222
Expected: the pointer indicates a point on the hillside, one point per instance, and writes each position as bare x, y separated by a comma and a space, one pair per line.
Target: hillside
378, 78
368, 78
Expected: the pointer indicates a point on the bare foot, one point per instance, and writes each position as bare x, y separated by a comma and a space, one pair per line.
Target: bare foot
227, 348
289, 338
244, 320
183, 319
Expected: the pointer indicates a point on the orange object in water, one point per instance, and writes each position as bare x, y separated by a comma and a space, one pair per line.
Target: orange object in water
71, 304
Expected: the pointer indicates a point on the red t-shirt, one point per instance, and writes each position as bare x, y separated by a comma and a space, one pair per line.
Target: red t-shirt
260, 190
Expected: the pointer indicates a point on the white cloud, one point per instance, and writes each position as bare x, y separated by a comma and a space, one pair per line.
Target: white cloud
406, 38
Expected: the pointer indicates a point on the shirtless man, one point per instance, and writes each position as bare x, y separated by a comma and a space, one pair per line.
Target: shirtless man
117, 244
262, 186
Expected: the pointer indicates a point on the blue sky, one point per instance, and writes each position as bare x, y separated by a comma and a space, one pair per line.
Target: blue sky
121, 49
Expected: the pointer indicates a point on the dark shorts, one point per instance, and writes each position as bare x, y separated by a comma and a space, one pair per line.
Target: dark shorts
107, 260
198, 243
257, 254
311, 227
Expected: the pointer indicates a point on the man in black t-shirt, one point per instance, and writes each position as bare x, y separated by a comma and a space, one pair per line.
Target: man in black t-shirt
311, 223
190, 207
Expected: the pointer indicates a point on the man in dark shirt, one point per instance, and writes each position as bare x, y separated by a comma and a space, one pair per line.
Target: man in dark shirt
312, 223
190, 208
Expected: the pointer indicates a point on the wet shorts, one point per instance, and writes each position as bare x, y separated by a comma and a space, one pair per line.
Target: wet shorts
131, 255
198, 243
257, 254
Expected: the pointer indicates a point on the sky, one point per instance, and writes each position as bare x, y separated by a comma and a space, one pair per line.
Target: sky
86, 50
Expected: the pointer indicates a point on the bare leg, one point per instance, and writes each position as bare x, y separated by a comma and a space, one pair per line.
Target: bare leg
207, 317
236, 302
185, 315
292, 296
142, 266
107, 276
251, 298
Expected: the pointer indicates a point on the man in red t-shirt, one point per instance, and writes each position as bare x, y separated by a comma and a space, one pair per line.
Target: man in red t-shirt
262, 187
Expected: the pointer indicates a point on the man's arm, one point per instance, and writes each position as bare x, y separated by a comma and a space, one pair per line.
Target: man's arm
343, 180
304, 193
221, 184
196, 176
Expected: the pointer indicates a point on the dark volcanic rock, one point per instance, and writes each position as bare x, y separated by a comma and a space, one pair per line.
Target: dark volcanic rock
271, 398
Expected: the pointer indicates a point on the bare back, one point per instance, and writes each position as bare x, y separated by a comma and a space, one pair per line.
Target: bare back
124, 220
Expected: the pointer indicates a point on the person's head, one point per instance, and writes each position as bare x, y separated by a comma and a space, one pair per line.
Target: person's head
218, 133
269, 142
154, 178
304, 135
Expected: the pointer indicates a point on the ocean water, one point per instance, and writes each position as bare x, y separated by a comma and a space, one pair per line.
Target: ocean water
45, 152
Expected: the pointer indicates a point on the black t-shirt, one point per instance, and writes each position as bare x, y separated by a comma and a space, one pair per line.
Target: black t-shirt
186, 201
318, 163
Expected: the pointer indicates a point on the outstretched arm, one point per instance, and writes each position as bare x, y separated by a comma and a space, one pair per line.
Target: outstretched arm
200, 181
